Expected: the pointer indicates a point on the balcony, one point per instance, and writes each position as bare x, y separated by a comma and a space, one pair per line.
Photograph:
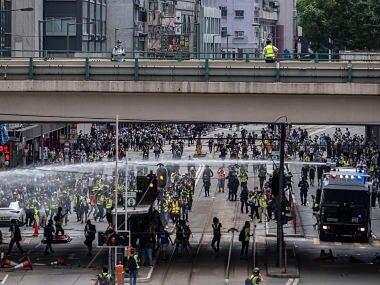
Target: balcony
273, 16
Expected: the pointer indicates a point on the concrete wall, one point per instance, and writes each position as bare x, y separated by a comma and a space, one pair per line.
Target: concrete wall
89, 101
120, 15
287, 21
25, 27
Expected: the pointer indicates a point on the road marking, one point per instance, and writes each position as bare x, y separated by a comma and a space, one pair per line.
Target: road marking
261, 238
290, 281
376, 242
5, 279
27, 240
358, 244
296, 280
316, 241
337, 243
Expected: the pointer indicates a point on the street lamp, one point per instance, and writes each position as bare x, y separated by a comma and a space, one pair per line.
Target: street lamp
40, 31
67, 33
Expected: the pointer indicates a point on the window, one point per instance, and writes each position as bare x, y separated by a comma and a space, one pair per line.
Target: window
223, 11
239, 14
239, 34
58, 26
224, 32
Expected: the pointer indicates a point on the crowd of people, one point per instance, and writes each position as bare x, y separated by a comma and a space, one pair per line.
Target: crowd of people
49, 197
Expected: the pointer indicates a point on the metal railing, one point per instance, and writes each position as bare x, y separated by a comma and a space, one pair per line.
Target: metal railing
100, 67
185, 55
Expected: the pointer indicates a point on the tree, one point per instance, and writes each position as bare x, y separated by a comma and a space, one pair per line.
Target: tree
340, 24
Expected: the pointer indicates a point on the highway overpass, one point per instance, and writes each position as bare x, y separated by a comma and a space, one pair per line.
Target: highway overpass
190, 91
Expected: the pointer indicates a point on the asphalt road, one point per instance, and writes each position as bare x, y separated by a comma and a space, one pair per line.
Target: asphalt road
203, 266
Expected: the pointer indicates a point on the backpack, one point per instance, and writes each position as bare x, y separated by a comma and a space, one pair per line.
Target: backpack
242, 235
132, 265
248, 281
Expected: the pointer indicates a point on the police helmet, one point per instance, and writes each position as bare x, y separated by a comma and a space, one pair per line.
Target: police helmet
256, 270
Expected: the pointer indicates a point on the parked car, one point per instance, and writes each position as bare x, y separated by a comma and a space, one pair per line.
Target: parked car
13, 211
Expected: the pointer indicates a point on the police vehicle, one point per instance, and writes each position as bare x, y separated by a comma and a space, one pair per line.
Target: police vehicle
344, 204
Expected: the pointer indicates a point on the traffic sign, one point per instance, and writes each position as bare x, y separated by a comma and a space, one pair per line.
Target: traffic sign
131, 199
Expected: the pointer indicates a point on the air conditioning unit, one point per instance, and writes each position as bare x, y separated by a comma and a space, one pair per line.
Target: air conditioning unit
98, 37
92, 37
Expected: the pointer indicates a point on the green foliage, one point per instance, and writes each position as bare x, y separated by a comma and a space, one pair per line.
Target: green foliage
350, 24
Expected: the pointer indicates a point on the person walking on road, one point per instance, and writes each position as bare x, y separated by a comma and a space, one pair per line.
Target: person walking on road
104, 278
14, 229
89, 233
244, 238
244, 199
262, 176
216, 229
221, 179
48, 234
133, 266
59, 221
207, 174
304, 187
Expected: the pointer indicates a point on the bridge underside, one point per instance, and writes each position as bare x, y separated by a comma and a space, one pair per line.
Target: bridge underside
190, 102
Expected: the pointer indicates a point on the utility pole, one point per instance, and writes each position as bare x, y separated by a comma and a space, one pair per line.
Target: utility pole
280, 233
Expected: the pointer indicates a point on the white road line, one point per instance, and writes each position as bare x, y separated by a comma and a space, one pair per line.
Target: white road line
296, 280
5, 279
290, 281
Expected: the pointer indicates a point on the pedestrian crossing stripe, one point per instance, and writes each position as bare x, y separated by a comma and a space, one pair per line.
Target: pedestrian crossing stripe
27, 240
316, 241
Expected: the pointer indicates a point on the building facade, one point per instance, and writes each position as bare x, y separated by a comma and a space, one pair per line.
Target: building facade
237, 27
209, 34
126, 22
71, 26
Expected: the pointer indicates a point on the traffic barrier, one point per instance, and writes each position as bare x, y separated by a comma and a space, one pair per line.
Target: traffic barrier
23, 264
119, 273
35, 234
60, 261
8, 262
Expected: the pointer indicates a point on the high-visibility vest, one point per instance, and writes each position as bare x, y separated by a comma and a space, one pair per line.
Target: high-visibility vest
100, 200
244, 178
175, 207
262, 202
35, 214
109, 204
269, 51
253, 279
137, 261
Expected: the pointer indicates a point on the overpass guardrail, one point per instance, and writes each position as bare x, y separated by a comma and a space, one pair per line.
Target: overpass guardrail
211, 68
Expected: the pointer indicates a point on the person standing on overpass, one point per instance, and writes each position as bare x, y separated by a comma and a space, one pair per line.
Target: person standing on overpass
270, 52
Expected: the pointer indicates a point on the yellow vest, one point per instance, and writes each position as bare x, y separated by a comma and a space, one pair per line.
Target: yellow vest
109, 204
269, 51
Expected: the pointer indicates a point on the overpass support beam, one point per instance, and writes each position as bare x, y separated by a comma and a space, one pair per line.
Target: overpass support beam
373, 132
